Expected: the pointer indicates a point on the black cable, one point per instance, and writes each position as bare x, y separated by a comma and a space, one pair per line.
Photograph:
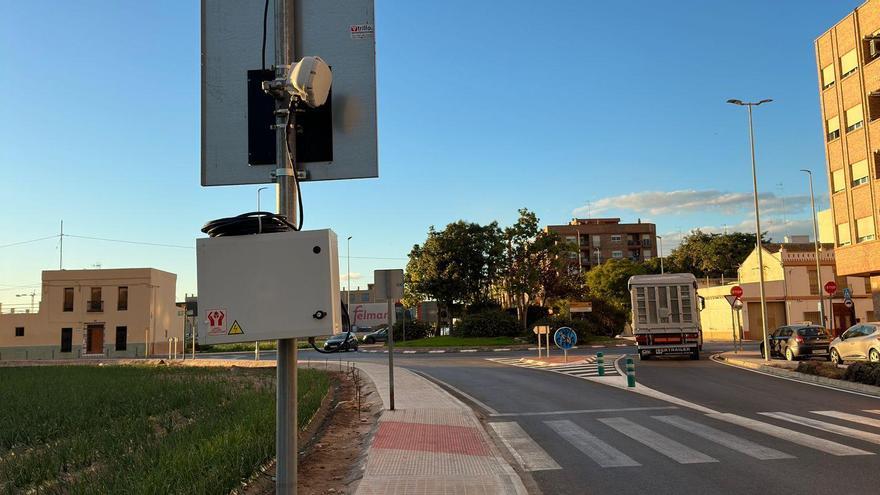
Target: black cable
265, 19
248, 223
291, 107
346, 325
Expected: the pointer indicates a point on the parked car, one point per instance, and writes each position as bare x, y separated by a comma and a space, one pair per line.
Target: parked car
380, 335
795, 341
339, 340
859, 342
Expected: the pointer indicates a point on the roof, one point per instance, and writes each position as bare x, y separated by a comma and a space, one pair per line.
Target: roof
667, 278
796, 247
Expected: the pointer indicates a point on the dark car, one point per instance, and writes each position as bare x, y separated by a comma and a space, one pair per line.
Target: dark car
380, 335
795, 341
339, 341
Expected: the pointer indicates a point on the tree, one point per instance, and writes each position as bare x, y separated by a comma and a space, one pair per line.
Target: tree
608, 281
458, 264
706, 254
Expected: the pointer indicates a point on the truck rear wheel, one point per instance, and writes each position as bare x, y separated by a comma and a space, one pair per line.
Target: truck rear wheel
696, 354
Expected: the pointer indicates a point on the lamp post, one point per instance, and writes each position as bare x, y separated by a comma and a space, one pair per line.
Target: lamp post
816, 247
760, 248
598, 257
660, 238
348, 277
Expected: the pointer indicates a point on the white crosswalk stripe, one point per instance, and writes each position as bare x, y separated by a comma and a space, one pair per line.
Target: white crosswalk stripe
664, 445
580, 369
822, 425
793, 436
603, 454
529, 455
873, 411
741, 445
855, 418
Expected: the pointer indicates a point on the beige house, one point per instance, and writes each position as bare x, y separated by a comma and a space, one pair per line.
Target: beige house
791, 291
128, 312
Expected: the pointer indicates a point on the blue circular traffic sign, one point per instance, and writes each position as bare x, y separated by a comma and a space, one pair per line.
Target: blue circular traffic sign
565, 338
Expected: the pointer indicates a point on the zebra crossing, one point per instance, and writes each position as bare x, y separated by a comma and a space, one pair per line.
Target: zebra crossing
594, 438
583, 368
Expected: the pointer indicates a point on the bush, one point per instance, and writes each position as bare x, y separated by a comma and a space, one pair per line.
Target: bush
583, 328
415, 329
867, 373
819, 368
489, 323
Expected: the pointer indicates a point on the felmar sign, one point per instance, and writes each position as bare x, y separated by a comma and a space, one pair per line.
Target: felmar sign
369, 315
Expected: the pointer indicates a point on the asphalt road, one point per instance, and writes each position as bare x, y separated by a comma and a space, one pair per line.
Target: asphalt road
576, 436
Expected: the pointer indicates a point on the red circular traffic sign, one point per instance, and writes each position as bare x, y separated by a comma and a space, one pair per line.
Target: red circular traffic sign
736, 291
831, 287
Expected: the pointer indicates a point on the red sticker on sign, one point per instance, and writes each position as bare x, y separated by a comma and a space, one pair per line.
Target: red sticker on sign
216, 321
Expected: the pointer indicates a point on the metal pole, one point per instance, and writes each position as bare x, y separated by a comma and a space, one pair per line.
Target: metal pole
286, 424
61, 248
831, 307
661, 254
391, 353
192, 328
758, 238
348, 277
816, 246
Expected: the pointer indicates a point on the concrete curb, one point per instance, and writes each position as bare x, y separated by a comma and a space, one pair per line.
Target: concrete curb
444, 350
803, 377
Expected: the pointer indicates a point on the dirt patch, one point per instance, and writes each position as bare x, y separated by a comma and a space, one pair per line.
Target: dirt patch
334, 445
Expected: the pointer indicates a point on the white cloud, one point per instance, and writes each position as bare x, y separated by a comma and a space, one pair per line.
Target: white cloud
354, 276
695, 201
776, 230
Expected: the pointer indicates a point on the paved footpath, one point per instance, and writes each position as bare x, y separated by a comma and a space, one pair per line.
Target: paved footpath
432, 443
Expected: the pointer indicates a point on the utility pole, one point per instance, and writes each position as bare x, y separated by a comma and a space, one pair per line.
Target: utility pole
816, 249
660, 238
286, 451
348, 276
61, 248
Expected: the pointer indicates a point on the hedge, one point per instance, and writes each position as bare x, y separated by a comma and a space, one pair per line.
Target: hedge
415, 329
867, 373
488, 323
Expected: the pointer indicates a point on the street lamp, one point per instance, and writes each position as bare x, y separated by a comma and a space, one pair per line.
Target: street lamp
348, 277
660, 238
749, 105
598, 257
816, 246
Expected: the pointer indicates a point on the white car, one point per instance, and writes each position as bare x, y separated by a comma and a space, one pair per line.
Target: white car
859, 342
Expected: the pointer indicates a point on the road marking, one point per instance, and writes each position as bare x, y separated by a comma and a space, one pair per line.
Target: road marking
468, 350
603, 454
733, 442
436, 352
872, 411
855, 418
499, 350
406, 352
491, 411
586, 411
526, 451
666, 446
829, 427
597, 346
797, 437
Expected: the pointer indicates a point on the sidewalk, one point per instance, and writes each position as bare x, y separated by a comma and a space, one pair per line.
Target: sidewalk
431, 444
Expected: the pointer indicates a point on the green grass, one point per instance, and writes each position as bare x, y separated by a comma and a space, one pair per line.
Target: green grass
140, 429
448, 341
249, 346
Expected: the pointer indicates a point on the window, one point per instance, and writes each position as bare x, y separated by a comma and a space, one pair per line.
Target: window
68, 299
872, 46
122, 300
868, 287
646, 253
865, 229
849, 62
859, 172
19, 331
615, 238
854, 118
812, 316
617, 254
121, 338
869, 316
832, 128
95, 303
66, 340
838, 180
814, 281
828, 76
596, 239
842, 283
843, 238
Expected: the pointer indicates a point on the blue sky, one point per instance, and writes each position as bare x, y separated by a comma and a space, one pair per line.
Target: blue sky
484, 108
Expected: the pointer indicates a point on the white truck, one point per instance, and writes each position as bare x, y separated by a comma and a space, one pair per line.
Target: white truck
665, 314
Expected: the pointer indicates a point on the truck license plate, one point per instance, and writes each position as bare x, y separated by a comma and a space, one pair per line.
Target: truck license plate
673, 350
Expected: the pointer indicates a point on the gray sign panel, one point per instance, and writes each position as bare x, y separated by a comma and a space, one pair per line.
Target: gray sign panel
341, 32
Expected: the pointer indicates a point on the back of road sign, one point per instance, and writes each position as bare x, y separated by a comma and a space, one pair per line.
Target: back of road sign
340, 32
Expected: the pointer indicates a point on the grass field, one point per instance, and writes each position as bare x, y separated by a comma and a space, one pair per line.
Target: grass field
448, 341
140, 429
249, 346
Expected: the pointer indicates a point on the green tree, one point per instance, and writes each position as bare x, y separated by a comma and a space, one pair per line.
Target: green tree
706, 254
608, 281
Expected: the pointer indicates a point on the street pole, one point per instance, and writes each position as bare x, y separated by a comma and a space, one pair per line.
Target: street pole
661, 254
391, 353
286, 452
816, 246
757, 224
348, 277
260, 230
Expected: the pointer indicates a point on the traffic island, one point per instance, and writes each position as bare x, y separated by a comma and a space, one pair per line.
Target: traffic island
788, 369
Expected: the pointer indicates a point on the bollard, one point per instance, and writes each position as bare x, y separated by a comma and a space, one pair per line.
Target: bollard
630, 372
600, 360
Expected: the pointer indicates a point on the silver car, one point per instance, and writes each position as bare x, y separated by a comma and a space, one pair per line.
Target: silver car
859, 342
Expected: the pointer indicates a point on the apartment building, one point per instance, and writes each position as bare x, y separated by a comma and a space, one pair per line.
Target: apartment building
601, 239
128, 312
849, 89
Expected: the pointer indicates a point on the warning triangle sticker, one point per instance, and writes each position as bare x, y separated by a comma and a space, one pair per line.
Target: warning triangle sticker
235, 329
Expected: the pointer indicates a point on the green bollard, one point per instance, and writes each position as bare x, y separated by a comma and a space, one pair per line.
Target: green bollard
600, 360
630, 372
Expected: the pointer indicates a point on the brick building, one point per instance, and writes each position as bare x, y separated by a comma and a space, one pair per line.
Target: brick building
601, 239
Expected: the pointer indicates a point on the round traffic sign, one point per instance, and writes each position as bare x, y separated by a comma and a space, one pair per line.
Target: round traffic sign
736, 291
848, 303
565, 338
831, 287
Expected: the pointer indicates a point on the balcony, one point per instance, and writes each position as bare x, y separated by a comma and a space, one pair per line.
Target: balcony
95, 306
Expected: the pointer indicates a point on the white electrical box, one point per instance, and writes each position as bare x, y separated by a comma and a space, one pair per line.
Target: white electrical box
268, 286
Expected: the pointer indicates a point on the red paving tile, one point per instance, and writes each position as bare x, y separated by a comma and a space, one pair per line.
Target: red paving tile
430, 438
